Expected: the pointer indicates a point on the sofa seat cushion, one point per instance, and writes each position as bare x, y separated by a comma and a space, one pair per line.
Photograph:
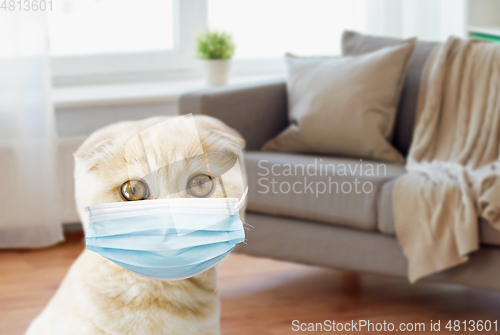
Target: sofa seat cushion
487, 234
325, 189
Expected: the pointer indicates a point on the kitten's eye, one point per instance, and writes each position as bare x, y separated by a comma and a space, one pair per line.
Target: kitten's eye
133, 190
200, 185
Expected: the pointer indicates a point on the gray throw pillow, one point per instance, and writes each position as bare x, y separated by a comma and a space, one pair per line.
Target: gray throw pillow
346, 105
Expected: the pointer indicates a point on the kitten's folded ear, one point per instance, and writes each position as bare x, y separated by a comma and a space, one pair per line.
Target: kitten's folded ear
102, 139
215, 132
90, 152
233, 135
91, 147
96, 145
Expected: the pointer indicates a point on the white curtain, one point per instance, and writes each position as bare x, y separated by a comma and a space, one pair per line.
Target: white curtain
430, 20
29, 215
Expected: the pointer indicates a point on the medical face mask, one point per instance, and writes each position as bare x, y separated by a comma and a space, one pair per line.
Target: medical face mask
169, 238
166, 239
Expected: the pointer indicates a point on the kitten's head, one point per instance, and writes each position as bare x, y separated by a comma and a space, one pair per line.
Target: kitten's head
168, 159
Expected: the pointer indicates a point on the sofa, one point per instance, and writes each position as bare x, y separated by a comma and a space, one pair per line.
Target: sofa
353, 231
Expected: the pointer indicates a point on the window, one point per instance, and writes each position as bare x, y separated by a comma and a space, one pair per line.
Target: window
111, 26
269, 29
115, 39
122, 38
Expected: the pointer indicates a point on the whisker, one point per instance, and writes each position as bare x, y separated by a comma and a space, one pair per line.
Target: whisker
248, 224
113, 268
103, 283
125, 286
216, 282
135, 282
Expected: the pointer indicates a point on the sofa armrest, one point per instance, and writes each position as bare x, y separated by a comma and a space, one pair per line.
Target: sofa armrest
258, 111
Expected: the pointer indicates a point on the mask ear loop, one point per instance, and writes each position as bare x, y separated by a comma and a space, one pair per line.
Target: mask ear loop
80, 205
240, 203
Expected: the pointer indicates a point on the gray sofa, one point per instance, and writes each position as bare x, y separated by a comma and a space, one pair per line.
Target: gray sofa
351, 231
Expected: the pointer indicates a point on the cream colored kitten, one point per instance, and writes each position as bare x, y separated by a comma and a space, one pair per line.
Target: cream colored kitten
99, 297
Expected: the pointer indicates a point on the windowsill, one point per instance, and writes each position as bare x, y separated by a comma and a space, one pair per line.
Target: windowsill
134, 93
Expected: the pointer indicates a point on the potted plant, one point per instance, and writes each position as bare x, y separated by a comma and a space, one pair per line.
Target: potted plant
215, 50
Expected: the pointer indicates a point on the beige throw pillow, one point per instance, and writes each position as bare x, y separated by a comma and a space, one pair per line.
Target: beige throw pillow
346, 105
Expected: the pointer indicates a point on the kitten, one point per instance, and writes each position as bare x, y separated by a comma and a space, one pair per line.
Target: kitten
99, 297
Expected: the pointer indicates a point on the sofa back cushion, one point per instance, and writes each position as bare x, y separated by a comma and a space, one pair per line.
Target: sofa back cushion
345, 106
355, 44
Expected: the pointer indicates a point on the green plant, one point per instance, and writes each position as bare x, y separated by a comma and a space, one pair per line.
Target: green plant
213, 44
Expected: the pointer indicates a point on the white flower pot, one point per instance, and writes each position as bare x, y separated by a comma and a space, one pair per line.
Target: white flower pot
216, 71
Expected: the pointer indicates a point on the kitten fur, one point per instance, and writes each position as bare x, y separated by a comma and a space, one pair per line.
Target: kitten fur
99, 297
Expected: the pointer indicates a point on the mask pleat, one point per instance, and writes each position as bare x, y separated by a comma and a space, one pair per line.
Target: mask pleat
156, 241
166, 223
178, 274
165, 240
165, 259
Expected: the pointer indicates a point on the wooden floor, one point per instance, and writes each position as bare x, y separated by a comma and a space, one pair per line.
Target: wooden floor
261, 296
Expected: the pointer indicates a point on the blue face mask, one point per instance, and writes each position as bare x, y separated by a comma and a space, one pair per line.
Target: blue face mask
166, 239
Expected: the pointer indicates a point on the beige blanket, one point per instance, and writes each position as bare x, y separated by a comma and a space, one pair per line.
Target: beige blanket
453, 167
